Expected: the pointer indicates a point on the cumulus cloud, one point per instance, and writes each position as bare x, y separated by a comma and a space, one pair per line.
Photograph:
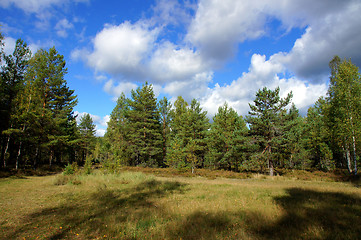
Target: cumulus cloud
262, 73
332, 34
116, 90
120, 50
171, 64
219, 26
135, 52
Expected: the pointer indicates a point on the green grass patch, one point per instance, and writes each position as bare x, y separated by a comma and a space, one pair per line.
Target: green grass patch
135, 205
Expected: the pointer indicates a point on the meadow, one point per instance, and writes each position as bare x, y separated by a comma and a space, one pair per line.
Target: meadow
131, 204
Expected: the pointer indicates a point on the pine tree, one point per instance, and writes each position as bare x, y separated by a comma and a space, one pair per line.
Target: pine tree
54, 103
317, 137
294, 154
266, 120
189, 128
12, 82
145, 132
164, 107
227, 140
117, 135
87, 132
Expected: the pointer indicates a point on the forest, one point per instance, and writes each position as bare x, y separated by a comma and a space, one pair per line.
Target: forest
38, 126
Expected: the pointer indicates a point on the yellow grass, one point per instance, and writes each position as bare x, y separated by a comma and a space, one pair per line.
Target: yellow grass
133, 205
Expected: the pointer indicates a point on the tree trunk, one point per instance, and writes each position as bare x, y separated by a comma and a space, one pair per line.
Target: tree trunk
36, 157
51, 158
354, 146
18, 156
347, 156
271, 169
6, 150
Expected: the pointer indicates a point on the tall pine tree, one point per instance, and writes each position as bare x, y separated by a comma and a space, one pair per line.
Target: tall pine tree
266, 123
145, 132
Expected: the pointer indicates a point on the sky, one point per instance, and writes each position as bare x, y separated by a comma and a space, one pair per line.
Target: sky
215, 51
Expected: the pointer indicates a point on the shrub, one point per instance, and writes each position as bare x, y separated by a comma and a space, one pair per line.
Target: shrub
70, 169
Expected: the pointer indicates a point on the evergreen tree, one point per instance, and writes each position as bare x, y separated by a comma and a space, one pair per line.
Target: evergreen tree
116, 140
164, 107
189, 128
317, 137
227, 140
145, 132
87, 132
294, 152
12, 82
266, 123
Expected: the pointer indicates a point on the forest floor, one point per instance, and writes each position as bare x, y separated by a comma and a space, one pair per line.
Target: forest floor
137, 205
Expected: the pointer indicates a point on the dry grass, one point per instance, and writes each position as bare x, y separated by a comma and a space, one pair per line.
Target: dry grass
134, 205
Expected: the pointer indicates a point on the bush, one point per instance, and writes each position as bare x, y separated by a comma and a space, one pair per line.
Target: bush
70, 169
88, 165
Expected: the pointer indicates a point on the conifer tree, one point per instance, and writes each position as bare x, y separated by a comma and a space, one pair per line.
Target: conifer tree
227, 140
12, 82
145, 132
87, 133
54, 103
317, 137
164, 107
189, 128
117, 135
266, 119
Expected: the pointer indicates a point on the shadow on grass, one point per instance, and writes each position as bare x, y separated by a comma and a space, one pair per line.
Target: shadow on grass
136, 213
312, 214
104, 214
307, 214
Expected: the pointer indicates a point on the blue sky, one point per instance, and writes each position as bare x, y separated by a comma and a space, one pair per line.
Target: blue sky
211, 50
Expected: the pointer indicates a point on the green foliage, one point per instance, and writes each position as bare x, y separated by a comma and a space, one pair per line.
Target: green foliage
145, 132
344, 109
88, 165
71, 169
267, 123
87, 134
188, 144
227, 140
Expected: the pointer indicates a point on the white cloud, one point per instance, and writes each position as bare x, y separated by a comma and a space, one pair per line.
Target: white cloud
219, 25
120, 50
171, 12
62, 27
262, 73
117, 90
30, 6
35, 6
133, 53
9, 46
171, 64
325, 37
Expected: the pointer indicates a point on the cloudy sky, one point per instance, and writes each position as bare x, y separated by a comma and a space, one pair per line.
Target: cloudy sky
213, 50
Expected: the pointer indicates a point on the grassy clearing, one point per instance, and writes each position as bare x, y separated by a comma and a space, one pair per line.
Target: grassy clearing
134, 205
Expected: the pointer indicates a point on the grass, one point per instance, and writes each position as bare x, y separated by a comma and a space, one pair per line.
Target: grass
135, 205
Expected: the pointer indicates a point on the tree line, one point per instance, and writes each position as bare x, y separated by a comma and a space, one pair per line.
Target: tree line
38, 125
37, 122
147, 132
